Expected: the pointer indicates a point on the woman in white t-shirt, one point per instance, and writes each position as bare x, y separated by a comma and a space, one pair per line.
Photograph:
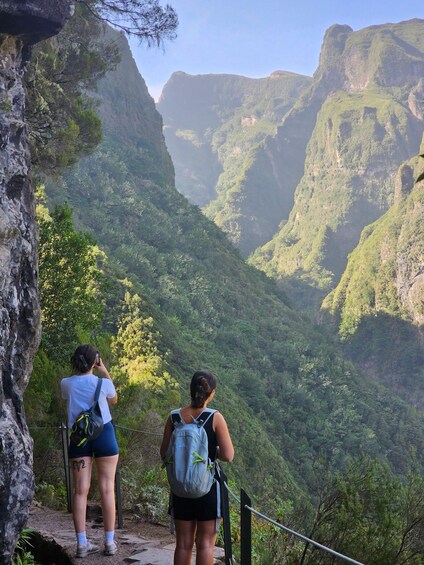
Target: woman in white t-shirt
79, 391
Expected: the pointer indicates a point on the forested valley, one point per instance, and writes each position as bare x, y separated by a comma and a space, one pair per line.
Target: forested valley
129, 264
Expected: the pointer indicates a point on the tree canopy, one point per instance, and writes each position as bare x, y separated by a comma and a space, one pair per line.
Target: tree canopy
65, 70
145, 19
70, 282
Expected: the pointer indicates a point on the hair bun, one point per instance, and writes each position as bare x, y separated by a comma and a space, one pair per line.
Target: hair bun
201, 387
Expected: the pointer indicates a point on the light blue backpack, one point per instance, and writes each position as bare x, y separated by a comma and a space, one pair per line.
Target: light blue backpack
190, 471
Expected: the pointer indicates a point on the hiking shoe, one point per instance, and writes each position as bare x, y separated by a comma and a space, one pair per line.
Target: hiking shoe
84, 550
110, 548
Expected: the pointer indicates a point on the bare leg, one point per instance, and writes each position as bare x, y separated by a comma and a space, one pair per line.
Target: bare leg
81, 475
106, 469
205, 542
185, 531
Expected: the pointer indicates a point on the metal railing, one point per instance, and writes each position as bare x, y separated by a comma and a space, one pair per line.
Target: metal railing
246, 512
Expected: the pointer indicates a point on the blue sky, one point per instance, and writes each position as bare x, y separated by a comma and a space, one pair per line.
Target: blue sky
256, 37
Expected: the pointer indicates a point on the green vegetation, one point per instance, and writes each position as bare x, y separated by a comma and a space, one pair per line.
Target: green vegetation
421, 175
146, 20
23, 555
231, 319
366, 512
220, 131
336, 197
377, 305
71, 289
63, 124
173, 295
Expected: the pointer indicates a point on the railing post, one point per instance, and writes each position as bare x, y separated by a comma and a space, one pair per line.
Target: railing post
226, 525
68, 480
246, 529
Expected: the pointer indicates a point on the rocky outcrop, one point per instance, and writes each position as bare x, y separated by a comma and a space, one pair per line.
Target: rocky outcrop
22, 23
416, 100
142, 130
404, 182
33, 20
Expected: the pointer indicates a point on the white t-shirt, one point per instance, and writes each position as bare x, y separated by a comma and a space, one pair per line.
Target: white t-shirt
79, 391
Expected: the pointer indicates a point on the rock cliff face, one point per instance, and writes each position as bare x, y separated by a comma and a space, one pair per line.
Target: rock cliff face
379, 302
33, 20
141, 129
364, 115
220, 132
22, 23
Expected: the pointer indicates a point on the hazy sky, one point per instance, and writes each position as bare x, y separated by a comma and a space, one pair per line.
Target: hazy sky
255, 37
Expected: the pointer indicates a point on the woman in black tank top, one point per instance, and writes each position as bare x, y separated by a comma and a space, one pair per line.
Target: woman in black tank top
196, 518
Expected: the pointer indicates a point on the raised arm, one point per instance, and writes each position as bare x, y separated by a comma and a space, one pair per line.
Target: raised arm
105, 374
225, 445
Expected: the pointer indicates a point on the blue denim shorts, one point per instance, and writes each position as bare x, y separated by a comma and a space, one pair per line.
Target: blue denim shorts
103, 446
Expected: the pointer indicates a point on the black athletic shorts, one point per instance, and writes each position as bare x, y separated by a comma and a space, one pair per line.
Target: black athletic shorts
201, 509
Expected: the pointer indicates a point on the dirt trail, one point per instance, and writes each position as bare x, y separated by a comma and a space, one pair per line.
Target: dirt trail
139, 542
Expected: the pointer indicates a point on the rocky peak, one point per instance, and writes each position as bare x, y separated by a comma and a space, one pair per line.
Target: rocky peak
388, 55
21, 24
331, 57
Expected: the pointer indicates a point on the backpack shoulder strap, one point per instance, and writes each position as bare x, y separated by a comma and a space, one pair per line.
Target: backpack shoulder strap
97, 393
176, 418
201, 422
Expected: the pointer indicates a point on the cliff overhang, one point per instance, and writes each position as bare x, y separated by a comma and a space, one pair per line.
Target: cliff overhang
33, 20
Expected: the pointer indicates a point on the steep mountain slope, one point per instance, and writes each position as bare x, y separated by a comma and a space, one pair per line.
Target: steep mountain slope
286, 392
219, 130
379, 302
127, 121
370, 121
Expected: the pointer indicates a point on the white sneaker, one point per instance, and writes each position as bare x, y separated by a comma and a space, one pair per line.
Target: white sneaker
84, 550
110, 548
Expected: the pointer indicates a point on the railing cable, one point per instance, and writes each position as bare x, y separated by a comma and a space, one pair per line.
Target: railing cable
116, 426
236, 498
44, 427
302, 537
289, 531
138, 431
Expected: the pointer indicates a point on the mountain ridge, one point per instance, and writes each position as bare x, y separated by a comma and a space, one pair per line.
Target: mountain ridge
218, 149
363, 132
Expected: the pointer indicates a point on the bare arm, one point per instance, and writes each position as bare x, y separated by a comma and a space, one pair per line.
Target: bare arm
113, 400
225, 445
166, 437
